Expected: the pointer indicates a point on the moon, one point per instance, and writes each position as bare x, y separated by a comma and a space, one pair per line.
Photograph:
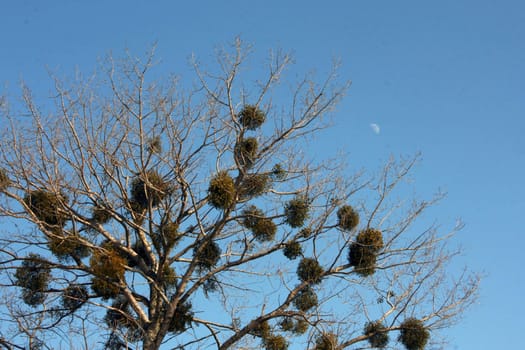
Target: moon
375, 128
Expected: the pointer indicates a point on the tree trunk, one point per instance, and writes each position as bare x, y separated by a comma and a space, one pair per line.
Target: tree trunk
151, 337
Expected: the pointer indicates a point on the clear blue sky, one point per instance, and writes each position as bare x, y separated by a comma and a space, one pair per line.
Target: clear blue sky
446, 78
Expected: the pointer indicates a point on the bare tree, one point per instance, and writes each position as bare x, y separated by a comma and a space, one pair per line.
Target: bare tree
138, 214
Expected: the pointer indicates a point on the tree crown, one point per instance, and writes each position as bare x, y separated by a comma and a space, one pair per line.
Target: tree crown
163, 216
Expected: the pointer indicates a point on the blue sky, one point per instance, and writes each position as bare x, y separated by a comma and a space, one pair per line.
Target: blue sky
446, 78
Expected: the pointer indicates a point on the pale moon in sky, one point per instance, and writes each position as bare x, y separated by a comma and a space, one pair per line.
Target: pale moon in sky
375, 128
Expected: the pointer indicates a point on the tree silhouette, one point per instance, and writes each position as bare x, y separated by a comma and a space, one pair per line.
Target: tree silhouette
139, 214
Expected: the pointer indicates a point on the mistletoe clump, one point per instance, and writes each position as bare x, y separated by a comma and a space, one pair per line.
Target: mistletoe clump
182, 318
287, 324
149, 189
170, 233
326, 341
305, 299
154, 145
33, 276
297, 327
246, 152
292, 250
371, 238
166, 237
251, 216
270, 341
207, 255
4, 180
117, 315
251, 117
414, 335
100, 215
119, 318
278, 173
296, 211
363, 252
108, 268
261, 330
47, 207
377, 335
254, 185
263, 228
169, 277
74, 296
310, 271
211, 285
221, 191
275, 342
65, 246
347, 217
305, 232
300, 327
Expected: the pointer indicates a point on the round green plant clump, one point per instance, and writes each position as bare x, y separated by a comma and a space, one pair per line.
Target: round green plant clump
278, 173
138, 213
169, 277
287, 324
310, 271
306, 232
33, 277
122, 319
377, 335
300, 327
305, 299
275, 342
207, 255
119, 314
261, 330
264, 230
108, 268
370, 238
296, 211
363, 252
74, 296
65, 246
100, 215
251, 117
154, 145
292, 250
414, 335
251, 216
347, 217
363, 260
254, 185
246, 152
211, 285
221, 191
4, 180
167, 236
326, 341
46, 207
149, 188
182, 318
